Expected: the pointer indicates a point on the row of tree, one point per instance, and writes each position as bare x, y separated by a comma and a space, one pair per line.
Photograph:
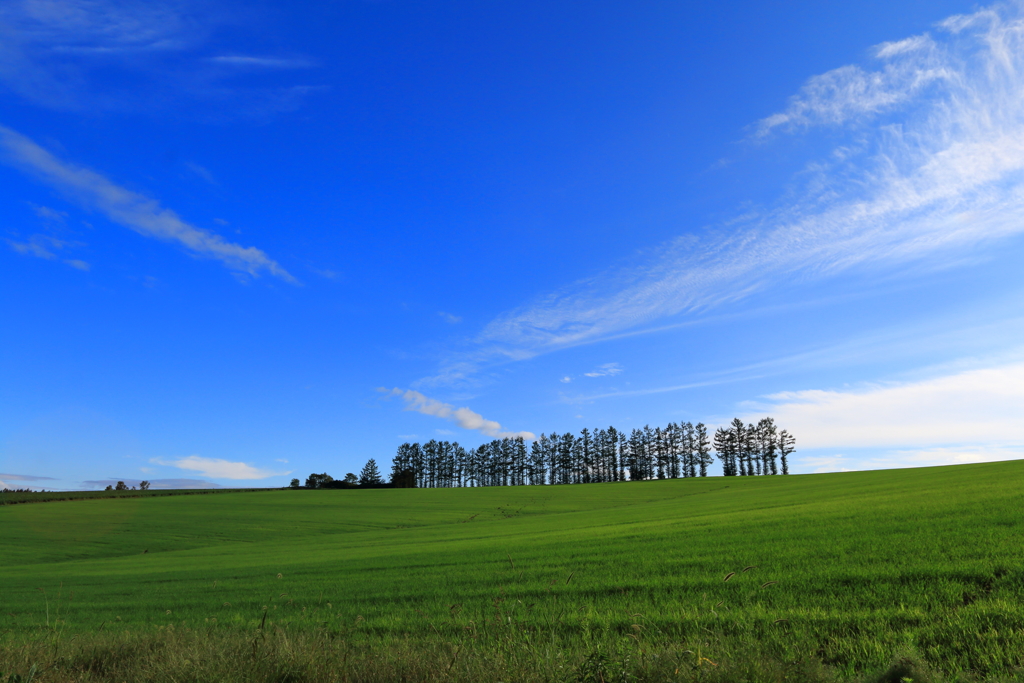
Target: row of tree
678, 450
121, 486
753, 449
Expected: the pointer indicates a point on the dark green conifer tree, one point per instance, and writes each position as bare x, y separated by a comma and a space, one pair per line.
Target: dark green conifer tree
538, 461
787, 444
724, 446
739, 441
370, 474
768, 443
702, 448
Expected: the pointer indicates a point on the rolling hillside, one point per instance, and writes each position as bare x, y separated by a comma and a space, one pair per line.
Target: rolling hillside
847, 569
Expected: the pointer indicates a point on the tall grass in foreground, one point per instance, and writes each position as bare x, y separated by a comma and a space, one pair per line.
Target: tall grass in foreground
276, 655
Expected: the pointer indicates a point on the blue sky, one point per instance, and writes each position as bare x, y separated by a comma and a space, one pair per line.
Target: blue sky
245, 242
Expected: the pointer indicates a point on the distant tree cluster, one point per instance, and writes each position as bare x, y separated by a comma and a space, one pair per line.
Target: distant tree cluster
753, 449
675, 451
369, 477
121, 486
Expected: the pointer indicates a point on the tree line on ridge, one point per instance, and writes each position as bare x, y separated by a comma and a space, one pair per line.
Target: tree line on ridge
601, 455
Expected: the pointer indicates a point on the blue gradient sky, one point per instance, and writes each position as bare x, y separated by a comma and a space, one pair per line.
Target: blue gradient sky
245, 242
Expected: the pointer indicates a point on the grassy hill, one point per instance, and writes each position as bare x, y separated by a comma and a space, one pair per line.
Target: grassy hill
585, 582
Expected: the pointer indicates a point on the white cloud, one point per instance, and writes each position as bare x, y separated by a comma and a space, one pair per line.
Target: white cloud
47, 213
326, 273
886, 50
263, 62
218, 469
119, 55
464, 417
912, 65
98, 23
606, 370
957, 455
887, 459
963, 415
565, 380
203, 173
132, 210
24, 477
933, 171
449, 318
47, 47
37, 245
44, 246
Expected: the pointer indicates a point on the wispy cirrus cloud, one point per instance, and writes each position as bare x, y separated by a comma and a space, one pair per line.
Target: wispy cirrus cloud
202, 172
449, 318
606, 370
48, 48
933, 170
130, 209
61, 54
40, 246
909, 67
45, 247
48, 214
263, 62
464, 417
217, 468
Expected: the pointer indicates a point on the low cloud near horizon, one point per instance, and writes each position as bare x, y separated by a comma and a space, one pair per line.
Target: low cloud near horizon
217, 468
25, 477
157, 484
967, 416
22, 479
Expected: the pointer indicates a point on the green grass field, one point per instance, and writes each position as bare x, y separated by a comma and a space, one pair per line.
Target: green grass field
597, 582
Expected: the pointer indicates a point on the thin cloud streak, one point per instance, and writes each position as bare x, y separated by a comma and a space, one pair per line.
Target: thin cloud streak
48, 49
940, 175
464, 417
132, 210
833, 98
587, 398
606, 370
262, 62
992, 343
43, 246
62, 53
25, 477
